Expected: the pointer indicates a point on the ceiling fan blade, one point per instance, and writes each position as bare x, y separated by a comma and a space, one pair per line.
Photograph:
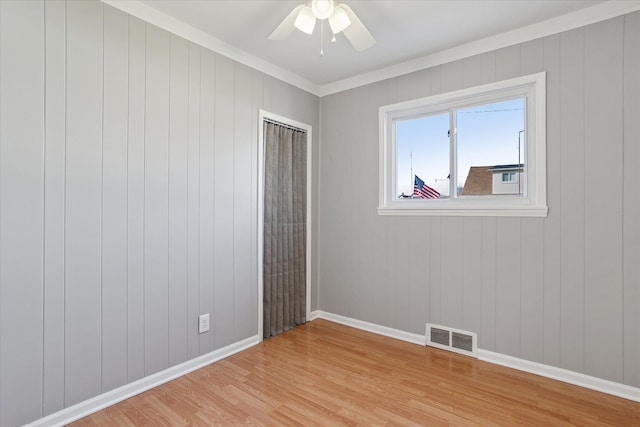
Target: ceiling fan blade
357, 33
286, 27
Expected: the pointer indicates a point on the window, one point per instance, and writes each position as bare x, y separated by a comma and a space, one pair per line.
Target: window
508, 177
477, 151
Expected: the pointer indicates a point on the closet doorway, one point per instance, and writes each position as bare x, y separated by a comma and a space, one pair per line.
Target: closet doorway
284, 223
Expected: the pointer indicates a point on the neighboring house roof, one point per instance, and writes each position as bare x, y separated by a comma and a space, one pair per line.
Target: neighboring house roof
479, 181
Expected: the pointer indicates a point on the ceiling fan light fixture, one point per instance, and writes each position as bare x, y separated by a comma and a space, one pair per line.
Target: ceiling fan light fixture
322, 9
306, 20
339, 20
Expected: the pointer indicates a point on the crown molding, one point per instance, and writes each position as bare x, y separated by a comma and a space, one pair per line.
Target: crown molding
569, 21
166, 22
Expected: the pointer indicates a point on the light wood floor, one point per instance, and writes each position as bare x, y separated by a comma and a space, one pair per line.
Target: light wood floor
325, 374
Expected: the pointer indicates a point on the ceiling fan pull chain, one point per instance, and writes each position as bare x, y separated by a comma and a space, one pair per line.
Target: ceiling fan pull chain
322, 38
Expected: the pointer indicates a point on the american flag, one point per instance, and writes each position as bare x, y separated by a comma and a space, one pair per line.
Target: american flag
423, 191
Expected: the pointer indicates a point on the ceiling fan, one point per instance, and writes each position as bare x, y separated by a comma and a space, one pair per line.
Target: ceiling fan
341, 19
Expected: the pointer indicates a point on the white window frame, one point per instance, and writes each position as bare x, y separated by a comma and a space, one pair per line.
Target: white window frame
533, 203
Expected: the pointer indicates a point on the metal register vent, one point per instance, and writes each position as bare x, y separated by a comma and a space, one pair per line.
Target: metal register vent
451, 339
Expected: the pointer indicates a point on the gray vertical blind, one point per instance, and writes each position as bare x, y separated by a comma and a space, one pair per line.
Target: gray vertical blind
285, 196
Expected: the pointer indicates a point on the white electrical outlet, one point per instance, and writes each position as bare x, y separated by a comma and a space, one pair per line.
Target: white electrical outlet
203, 323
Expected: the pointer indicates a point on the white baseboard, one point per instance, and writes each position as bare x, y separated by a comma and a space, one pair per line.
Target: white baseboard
87, 407
112, 397
564, 375
370, 327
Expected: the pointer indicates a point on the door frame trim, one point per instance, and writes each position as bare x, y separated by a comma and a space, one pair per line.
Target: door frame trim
260, 213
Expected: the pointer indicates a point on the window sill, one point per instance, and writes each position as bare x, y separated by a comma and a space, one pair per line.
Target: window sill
447, 209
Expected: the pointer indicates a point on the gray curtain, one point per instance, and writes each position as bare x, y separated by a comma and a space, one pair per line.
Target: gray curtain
285, 224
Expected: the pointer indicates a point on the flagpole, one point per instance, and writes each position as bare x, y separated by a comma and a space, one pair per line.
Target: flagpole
412, 178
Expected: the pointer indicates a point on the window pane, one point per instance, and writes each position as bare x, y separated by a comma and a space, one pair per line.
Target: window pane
490, 148
423, 157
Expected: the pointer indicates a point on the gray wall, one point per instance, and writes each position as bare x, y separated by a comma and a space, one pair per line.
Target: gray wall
128, 180
562, 290
128, 206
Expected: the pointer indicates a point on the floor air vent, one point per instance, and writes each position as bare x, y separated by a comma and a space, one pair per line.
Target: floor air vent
451, 339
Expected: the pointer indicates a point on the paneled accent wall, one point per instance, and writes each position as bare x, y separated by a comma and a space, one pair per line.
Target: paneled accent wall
128, 200
562, 290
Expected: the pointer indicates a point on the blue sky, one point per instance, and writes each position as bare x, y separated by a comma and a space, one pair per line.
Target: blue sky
487, 136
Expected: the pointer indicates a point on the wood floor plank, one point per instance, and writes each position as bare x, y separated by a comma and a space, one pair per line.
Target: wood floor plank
326, 374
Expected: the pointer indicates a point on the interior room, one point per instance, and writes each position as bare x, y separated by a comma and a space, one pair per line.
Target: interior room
134, 188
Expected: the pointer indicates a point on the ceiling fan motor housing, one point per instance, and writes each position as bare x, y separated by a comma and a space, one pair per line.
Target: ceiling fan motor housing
322, 9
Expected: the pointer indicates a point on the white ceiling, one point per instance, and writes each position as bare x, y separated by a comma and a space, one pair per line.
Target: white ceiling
404, 29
